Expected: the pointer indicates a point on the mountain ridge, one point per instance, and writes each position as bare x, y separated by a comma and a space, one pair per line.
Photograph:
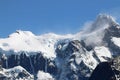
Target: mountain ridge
25, 35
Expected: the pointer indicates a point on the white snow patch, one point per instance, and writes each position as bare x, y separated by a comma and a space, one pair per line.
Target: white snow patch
116, 41
90, 60
44, 76
102, 52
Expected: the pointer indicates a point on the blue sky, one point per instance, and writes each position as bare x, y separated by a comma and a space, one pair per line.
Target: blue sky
57, 16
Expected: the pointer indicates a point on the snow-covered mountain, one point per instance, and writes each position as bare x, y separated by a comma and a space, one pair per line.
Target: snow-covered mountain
63, 57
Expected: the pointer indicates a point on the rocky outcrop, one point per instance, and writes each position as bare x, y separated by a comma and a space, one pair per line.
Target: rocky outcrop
15, 73
107, 70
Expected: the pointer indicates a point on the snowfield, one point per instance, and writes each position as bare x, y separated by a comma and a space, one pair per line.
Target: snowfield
28, 42
44, 76
116, 41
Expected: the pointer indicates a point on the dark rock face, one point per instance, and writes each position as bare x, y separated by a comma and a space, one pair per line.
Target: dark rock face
107, 70
103, 72
32, 63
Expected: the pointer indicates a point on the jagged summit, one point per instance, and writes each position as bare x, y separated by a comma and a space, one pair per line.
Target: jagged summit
106, 18
97, 30
102, 21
